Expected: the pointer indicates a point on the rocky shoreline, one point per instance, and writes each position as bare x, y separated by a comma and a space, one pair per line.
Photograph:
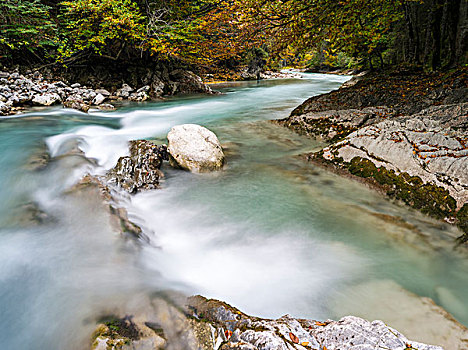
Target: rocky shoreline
208, 324
403, 133
172, 321
21, 91
18, 91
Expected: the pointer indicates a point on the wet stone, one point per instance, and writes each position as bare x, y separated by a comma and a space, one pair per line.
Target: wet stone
141, 169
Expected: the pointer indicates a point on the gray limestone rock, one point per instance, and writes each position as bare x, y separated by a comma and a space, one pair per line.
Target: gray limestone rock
188, 82
76, 102
214, 325
99, 99
4, 108
103, 92
157, 87
106, 107
432, 145
335, 124
124, 91
138, 96
195, 148
46, 99
139, 170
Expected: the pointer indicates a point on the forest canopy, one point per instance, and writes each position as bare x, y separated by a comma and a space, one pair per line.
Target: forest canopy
210, 32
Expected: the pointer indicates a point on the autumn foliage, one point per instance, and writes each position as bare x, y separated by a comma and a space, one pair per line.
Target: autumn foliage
214, 32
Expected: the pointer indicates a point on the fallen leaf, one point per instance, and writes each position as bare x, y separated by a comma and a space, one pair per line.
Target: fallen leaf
305, 343
294, 339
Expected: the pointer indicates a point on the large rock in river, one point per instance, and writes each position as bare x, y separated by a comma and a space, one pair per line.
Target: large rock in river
195, 148
139, 170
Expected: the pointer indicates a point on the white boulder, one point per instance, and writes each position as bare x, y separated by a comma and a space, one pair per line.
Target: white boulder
46, 99
4, 108
195, 148
125, 91
98, 99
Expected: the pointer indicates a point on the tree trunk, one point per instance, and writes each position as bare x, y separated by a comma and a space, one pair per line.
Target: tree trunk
413, 42
437, 12
461, 39
369, 58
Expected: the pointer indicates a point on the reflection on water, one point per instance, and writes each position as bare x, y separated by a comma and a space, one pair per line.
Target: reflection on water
269, 234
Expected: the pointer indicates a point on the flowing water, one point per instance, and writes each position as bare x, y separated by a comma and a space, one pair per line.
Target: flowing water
270, 234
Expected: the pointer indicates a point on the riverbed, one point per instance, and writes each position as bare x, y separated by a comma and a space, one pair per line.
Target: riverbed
269, 234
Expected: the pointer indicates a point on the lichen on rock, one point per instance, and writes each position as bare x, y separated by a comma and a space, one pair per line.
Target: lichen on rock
141, 169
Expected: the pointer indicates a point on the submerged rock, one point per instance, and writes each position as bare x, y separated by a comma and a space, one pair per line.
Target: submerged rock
194, 148
117, 214
139, 170
423, 320
27, 215
39, 158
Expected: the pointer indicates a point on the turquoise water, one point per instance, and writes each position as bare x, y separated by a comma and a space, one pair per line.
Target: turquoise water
270, 234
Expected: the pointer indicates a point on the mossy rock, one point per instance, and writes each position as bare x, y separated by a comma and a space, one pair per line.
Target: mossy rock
462, 218
430, 199
124, 327
116, 332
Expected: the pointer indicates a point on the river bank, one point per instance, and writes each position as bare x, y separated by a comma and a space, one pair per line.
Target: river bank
170, 320
403, 132
268, 234
18, 91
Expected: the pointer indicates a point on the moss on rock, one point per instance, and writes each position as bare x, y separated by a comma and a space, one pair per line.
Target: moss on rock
430, 199
115, 332
462, 222
324, 127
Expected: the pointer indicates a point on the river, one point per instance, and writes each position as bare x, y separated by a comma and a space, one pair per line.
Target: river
270, 234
